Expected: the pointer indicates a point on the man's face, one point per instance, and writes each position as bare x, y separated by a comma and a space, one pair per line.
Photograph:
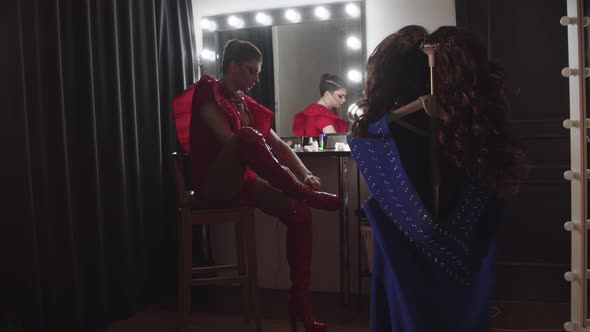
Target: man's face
247, 74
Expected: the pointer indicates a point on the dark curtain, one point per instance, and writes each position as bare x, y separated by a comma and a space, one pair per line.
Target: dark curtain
586, 9
88, 226
264, 91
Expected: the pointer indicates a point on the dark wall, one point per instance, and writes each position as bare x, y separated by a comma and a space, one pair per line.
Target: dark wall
525, 36
87, 231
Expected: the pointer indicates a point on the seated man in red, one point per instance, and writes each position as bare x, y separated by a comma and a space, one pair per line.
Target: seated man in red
232, 164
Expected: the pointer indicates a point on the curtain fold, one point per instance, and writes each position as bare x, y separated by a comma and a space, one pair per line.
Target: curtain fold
88, 231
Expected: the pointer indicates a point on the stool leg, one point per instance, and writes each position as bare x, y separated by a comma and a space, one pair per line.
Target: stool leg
185, 266
250, 230
241, 254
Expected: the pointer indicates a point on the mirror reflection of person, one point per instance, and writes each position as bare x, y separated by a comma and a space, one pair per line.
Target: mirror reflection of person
438, 182
232, 165
321, 117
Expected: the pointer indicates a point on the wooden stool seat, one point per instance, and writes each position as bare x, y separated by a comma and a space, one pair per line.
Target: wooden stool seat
194, 212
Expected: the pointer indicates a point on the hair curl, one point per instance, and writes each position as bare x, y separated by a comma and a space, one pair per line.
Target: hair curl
473, 129
396, 75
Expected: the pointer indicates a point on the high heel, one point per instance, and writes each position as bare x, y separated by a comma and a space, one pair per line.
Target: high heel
303, 312
299, 236
253, 152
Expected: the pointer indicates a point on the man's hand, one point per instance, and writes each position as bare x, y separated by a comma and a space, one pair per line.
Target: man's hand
312, 181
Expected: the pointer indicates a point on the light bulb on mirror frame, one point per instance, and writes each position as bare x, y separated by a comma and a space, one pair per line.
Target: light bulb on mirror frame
208, 24
354, 43
353, 10
263, 19
322, 13
208, 55
354, 75
235, 22
292, 15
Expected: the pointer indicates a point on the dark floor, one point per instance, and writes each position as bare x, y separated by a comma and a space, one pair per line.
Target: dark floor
222, 312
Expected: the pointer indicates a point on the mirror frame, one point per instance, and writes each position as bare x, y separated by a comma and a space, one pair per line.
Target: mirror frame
210, 61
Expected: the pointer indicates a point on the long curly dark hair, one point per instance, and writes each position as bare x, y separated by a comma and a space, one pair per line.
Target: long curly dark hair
473, 129
396, 75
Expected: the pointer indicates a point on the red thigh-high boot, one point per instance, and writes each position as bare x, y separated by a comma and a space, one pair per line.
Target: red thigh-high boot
298, 221
253, 152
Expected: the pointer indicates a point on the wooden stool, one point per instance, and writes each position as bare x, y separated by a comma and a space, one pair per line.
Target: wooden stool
194, 212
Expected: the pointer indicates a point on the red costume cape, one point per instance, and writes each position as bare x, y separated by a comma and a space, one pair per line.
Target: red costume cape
308, 121
196, 137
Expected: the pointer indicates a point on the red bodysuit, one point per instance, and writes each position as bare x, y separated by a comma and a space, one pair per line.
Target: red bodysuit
203, 146
314, 118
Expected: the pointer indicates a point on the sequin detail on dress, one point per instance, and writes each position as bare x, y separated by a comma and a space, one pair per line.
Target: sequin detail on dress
446, 243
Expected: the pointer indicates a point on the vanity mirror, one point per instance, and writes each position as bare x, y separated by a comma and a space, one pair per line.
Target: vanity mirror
298, 44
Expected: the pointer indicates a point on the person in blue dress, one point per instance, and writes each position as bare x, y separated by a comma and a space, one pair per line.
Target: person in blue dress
439, 168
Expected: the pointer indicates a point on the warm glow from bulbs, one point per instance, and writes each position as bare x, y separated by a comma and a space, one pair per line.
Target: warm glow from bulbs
263, 19
355, 75
208, 55
353, 10
208, 25
292, 15
354, 43
235, 22
322, 13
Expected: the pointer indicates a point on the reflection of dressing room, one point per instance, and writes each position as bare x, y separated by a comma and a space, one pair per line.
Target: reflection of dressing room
193, 165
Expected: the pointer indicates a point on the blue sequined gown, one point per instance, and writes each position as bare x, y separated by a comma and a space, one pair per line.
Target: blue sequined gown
428, 275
